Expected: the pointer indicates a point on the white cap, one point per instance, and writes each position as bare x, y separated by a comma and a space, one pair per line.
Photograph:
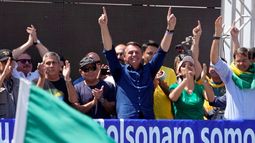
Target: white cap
185, 59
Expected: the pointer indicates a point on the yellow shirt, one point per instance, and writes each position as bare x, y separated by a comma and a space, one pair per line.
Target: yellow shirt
162, 104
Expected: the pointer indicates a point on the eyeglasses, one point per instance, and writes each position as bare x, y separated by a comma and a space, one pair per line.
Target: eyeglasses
24, 61
87, 68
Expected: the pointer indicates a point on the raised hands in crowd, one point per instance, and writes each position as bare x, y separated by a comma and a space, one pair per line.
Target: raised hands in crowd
214, 56
189, 69
197, 32
234, 31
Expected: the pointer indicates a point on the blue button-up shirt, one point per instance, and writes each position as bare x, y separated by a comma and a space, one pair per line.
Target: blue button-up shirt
134, 87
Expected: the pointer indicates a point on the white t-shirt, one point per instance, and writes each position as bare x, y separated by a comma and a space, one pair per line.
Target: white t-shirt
240, 102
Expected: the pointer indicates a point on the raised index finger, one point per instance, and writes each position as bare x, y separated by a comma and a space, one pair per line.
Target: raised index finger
198, 23
169, 11
104, 10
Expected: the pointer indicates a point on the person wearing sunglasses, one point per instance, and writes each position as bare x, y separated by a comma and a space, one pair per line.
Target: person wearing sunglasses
9, 85
23, 60
103, 74
95, 97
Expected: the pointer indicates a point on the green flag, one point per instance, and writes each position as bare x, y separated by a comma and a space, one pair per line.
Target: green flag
43, 118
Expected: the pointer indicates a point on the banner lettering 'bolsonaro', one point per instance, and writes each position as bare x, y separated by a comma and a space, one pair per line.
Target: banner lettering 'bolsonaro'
165, 131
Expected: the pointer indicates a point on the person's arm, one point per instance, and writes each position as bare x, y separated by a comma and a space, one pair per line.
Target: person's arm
197, 31
72, 95
208, 91
214, 55
219, 101
108, 99
105, 33
6, 71
32, 38
42, 73
18, 51
167, 38
176, 93
85, 108
164, 87
234, 35
40, 47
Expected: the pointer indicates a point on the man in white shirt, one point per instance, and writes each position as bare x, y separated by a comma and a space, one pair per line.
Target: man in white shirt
239, 79
23, 65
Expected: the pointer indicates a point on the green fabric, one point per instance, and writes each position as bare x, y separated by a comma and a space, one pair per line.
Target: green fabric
244, 80
189, 106
50, 120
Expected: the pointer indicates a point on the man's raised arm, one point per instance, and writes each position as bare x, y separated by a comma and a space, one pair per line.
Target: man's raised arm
167, 39
105, 33
214, 55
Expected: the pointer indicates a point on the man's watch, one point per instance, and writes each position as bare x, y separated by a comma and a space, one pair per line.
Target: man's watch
37, 42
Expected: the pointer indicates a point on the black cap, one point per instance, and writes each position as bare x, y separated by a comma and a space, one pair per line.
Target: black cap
85, 61
5, 54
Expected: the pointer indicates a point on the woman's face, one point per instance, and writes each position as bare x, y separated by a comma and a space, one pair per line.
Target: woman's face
187, 67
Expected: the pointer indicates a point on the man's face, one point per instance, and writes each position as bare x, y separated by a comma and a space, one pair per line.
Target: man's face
120, 52
52, 66
89, 72
24, 63
242, 62
3, 64
148, 53
133, 56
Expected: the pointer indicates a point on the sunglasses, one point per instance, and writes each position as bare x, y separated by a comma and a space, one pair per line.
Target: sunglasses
24, 61
97, 62
87, 68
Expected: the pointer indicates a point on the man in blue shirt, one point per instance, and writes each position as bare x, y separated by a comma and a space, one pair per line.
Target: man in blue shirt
134, 81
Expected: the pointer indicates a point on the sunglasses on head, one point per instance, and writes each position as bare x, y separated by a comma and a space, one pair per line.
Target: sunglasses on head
87, 68
24, 61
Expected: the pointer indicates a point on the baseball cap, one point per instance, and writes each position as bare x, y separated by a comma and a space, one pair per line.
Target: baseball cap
85, 61
5, 54
185, 59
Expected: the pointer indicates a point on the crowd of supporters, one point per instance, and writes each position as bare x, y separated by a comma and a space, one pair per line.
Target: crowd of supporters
135, 84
